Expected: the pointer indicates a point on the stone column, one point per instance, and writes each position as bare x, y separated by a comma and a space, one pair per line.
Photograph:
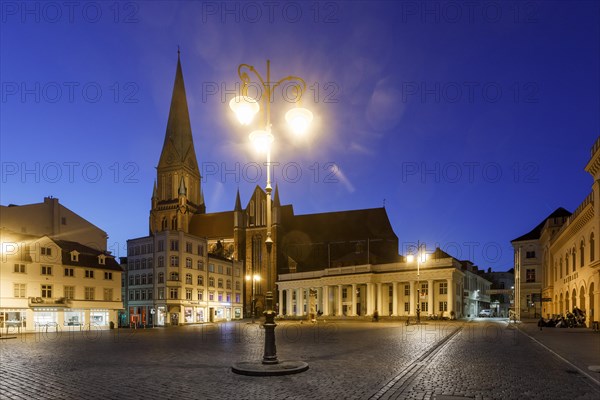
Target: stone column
280, 311
353, 310
412, 297
339, 300
450, 283
326, 300
369, 299
289, 303
379, 299
395, 299
299, 302
431, 306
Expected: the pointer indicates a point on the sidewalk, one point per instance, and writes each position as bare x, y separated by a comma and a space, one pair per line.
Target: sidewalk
579, 346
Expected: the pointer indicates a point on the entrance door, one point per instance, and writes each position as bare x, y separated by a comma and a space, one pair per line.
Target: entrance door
211, 314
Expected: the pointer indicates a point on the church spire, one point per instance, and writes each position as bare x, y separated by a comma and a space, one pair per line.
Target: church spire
178, 185
178, 148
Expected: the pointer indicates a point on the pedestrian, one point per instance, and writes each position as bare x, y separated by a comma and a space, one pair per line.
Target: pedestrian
375, 316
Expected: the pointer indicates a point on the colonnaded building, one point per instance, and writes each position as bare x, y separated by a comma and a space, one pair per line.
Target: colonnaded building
558, 262
55, 272
347, 255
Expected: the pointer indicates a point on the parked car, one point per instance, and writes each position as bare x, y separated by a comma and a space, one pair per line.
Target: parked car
485, 313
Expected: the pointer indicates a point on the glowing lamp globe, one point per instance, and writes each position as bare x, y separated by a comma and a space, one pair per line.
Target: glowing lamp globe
261, 140
299, 119
245, 108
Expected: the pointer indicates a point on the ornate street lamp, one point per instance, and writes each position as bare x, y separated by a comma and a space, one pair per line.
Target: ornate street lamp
299, 119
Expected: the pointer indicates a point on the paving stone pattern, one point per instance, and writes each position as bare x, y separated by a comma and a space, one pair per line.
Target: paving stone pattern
348, 360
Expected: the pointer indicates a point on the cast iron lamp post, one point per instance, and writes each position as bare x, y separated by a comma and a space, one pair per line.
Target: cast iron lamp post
298, 119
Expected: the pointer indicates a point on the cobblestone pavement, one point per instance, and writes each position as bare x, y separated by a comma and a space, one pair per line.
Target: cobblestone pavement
348, 360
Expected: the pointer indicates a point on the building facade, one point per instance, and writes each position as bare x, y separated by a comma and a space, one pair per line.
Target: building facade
436, 287
171, 279
55, 284
558, 260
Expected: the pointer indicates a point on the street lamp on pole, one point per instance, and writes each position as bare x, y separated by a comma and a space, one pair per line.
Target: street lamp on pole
299, 119
421, 257
254, 278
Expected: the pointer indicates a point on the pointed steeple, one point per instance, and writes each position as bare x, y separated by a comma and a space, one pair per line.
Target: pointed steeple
182, 188
238, 203
276, 202
178, 148
154, 190
178, 185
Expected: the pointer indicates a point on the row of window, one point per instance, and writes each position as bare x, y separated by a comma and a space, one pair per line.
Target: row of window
144, 279
48, 269
424, 290
173, 246
46, 292
173, 294
572, 256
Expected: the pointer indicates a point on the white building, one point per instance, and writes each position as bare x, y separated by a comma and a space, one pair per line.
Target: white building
48, 283
436, 286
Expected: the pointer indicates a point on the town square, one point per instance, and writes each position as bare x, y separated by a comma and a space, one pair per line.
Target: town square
289, 199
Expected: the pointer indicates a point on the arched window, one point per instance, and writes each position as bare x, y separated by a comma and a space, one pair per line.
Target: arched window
560, 268
573, 255
566, 264
200, 280
188, 279
174, 276
581, 255
161, 277
211, 282
174, 224
163, 225
592, 246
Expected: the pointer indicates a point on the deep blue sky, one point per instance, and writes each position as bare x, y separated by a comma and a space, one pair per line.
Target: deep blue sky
498, 100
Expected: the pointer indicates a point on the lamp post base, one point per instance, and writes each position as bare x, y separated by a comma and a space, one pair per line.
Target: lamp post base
257, 368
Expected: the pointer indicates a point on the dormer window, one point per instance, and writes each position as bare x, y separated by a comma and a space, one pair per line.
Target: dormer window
74, 256
102, 259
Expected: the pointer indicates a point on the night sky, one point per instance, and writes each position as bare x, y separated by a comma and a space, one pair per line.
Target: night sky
472, 121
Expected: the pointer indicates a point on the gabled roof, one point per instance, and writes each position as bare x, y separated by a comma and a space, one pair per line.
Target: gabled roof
88, 257
212, 226
536, 232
